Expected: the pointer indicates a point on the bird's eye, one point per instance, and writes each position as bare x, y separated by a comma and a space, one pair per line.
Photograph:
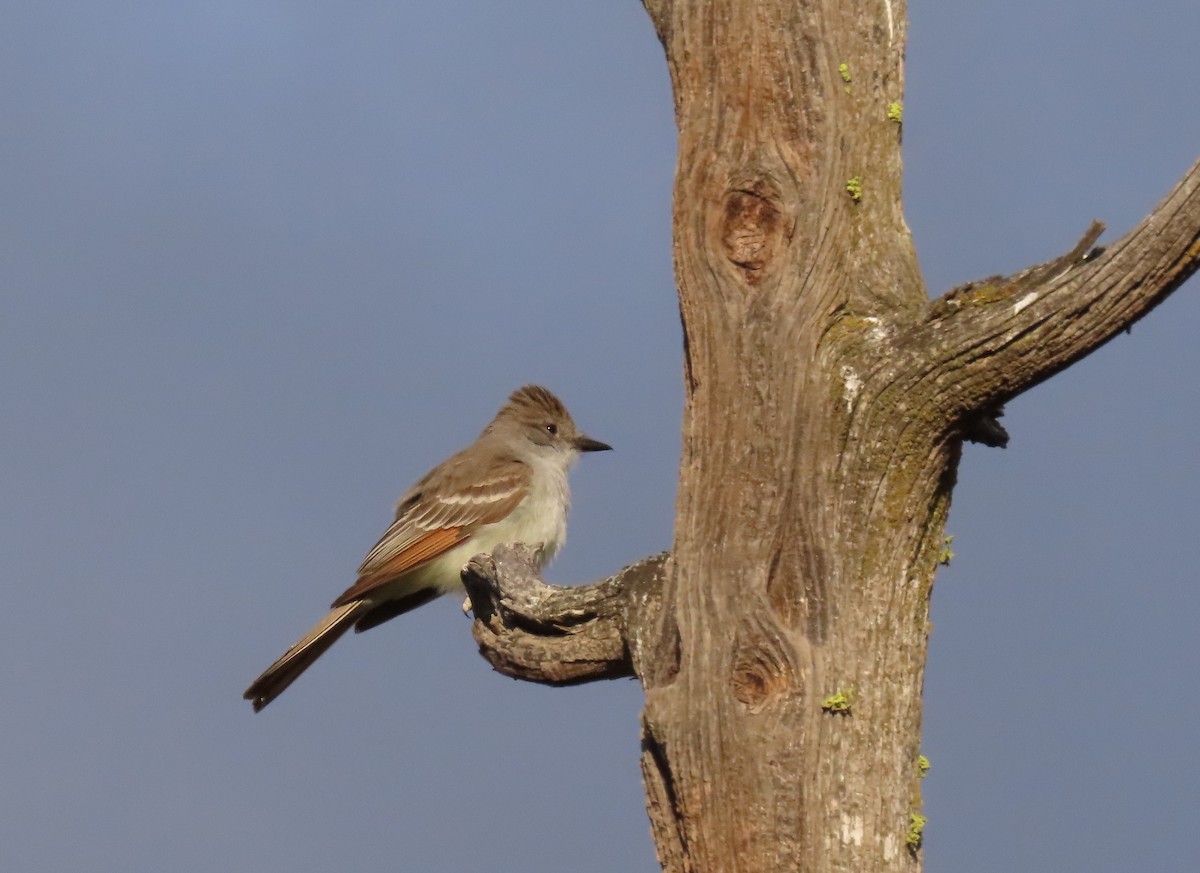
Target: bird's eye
552, 429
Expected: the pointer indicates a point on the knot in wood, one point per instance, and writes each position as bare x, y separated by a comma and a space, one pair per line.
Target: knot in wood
752, 228
762, 673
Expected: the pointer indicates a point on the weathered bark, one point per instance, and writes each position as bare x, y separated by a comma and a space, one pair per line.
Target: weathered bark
552, 634
782, 644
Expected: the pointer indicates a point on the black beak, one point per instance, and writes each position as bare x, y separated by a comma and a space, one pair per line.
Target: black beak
587, 444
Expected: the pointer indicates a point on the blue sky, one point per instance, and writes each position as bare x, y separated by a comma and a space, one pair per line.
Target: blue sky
264, 263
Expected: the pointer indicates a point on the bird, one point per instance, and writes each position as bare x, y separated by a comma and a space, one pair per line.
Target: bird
510, 485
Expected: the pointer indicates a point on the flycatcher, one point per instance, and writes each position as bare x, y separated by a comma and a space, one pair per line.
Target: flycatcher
509, 486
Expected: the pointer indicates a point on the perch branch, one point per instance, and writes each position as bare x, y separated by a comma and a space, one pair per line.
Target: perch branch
552, 634
1001, 336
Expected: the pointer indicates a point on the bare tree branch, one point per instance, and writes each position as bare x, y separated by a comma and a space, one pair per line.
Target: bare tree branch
553, 634
824, 401
1001, 336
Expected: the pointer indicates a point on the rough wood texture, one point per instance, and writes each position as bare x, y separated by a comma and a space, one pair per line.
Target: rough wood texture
553, 634
782, 643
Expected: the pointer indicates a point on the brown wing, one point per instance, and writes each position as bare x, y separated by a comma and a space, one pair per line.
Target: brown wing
438, 513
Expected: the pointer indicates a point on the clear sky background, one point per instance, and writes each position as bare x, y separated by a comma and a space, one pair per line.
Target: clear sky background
264, 263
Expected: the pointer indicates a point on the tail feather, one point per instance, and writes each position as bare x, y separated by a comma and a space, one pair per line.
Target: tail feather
302, 653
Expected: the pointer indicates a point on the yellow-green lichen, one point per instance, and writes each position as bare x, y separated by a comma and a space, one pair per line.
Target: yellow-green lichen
854, 186
946, 555
916, 825
987, 293
851, 328
895, 111
844, 72
839, 703
922, 766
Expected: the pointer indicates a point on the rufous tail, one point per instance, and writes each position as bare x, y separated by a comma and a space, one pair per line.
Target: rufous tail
303, 652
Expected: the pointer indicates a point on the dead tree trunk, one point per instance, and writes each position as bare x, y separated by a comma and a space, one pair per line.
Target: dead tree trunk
782, 642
